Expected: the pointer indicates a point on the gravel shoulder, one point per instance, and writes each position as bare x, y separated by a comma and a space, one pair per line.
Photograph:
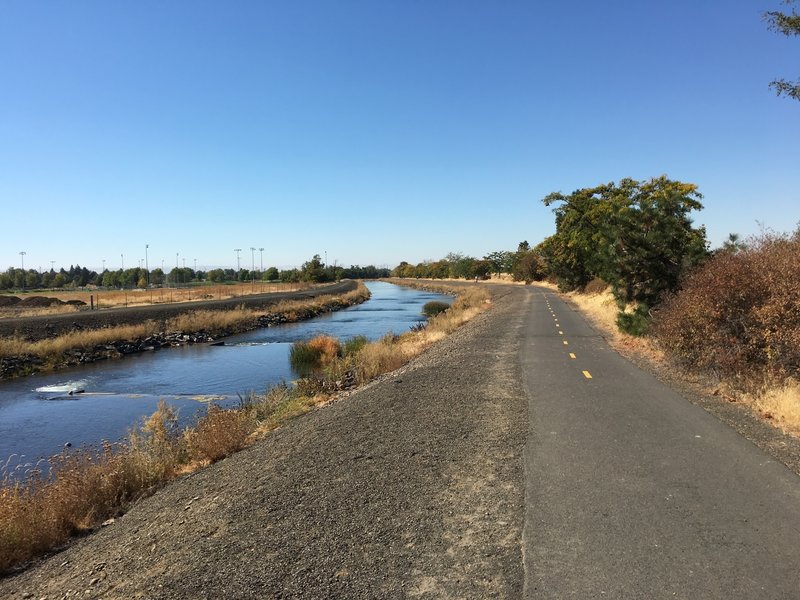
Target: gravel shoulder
410, 487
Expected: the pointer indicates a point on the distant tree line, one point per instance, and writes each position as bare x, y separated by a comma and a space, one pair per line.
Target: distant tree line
524, 264
79, 277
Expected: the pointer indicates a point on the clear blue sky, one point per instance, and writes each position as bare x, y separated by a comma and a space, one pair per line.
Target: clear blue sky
376, 131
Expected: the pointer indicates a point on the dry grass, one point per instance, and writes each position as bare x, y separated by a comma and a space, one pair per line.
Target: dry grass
781, 405
85, 488
213, 320
6, 313
219, 434
327, 347
392, 352
53, 349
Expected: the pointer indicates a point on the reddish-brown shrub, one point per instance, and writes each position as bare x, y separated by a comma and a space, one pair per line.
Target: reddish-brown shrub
739, 314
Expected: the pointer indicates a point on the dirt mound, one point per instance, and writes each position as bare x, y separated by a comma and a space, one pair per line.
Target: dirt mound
75, 302
8, 301
38, 302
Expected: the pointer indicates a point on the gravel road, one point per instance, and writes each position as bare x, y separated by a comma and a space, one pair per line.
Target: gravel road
411, 487
43, 326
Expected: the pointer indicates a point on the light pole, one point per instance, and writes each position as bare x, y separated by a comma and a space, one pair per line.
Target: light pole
22, 260
195, 265
262, 260
104, 265
122, 261
52, 264
146, 264
238, 268
177, 268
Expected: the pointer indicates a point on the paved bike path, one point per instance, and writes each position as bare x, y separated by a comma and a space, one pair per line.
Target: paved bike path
634, 492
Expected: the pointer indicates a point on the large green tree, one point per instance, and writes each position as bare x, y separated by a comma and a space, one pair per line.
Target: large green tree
637, 236
788, 24
314, 270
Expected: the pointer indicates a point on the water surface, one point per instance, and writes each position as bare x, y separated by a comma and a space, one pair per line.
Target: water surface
117, 393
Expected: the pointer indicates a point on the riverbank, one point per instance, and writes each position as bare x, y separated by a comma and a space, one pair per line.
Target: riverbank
411, 486
38, 344
85, 489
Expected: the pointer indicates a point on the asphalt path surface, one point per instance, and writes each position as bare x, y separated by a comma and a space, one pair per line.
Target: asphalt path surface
520, 457
634, 492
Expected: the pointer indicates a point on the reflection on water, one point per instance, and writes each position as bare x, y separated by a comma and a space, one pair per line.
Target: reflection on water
38, 415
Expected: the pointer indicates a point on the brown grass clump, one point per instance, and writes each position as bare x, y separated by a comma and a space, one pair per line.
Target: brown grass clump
382, 356
328, 348
781, 403
219, 434
213, 321
84, 487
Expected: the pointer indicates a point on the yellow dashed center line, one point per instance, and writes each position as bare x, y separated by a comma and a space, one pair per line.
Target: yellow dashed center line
587, 374
560, 333
571, 355
566, 343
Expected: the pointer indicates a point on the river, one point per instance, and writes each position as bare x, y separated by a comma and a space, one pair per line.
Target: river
35, 423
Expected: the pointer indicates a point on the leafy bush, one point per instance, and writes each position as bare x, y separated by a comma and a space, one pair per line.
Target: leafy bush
740, 313
434, 307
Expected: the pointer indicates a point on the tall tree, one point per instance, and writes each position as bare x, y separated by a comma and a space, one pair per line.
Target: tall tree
637, 236
788, 24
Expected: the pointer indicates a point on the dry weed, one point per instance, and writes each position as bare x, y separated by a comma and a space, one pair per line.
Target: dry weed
326, 347
219, 433
781, 404
212, 320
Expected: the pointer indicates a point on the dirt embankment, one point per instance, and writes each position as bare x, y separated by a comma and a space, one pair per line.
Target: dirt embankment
44, 326
411, 487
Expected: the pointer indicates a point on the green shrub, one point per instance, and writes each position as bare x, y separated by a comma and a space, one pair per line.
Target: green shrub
434, 307
635, 323
304, 357
354, 344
